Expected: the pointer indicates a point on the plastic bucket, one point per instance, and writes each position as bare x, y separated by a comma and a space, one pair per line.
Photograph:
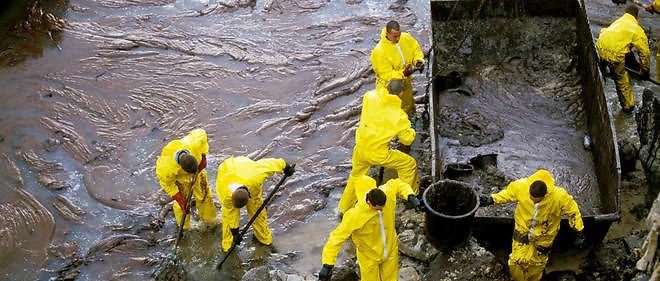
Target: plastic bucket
456, 170
451, 207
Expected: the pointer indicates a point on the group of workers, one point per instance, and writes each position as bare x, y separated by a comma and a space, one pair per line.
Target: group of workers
367, 210
614, 45
181, 172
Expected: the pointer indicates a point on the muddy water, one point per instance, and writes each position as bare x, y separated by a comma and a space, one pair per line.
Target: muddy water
94, 92
526, 107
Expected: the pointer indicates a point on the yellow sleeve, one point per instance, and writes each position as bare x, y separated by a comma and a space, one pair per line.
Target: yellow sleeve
402, 189
406, 134
198, 141
641, 43
337, 238
570, 208
417, 52
166, 179
509, 194
265, 168
383, 67
656, 5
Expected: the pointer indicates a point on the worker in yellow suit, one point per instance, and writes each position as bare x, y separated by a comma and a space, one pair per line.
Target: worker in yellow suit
382, 119
239, 184
655, 8
537, 218
614, 43
371, 226
393, 58
177, 166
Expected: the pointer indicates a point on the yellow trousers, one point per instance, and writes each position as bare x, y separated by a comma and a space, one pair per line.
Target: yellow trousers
231, 215
405, 165
622, 82
407, 100
204, 201
526, 263
371, 270
657, 64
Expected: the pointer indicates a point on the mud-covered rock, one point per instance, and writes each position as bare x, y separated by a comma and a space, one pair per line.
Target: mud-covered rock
648, 128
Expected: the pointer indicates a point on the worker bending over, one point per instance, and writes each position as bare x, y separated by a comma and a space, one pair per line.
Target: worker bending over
176, 169
537, 218
614, 43
239, 184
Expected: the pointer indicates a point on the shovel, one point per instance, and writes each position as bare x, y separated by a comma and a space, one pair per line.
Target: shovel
185, 213
640, 75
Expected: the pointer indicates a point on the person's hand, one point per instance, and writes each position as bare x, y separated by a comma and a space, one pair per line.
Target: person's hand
485, 200
419, 207
579, 240
202, 163
649, 8
420, 65
646, 74
182, 202
289, 169
237, 240
326, 272
408, 70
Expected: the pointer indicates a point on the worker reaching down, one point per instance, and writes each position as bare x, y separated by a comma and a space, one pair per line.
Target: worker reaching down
537, 218
382, 119
614, 43
176, 168
239, 184
371, 226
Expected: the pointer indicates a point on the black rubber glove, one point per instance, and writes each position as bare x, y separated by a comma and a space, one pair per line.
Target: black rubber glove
485, 200
326, 272
237, 239
420, 66
646, 74
579, 239
419, 207
289, 169
408, 70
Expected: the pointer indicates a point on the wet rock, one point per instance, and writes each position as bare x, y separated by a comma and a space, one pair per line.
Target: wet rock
347, 271
612, 260
259, 273
409, 274
648, 128
63, 251
50, 182
9, 167
471, 262
628, 155
51, 144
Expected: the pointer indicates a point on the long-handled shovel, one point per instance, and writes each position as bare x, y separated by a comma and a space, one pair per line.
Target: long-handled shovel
185, 213
640, 75
245, 228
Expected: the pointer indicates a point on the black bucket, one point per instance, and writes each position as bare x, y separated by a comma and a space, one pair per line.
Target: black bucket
451, 206
455, 170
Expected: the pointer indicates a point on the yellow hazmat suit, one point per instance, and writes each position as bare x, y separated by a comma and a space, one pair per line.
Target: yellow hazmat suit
382, 119
373, 232
614, 43
536, 225
389, 59
251, 174
174, 179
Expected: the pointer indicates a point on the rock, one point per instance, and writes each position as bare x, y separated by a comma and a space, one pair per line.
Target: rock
258, 273
409, 274
628, 155
648, 128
